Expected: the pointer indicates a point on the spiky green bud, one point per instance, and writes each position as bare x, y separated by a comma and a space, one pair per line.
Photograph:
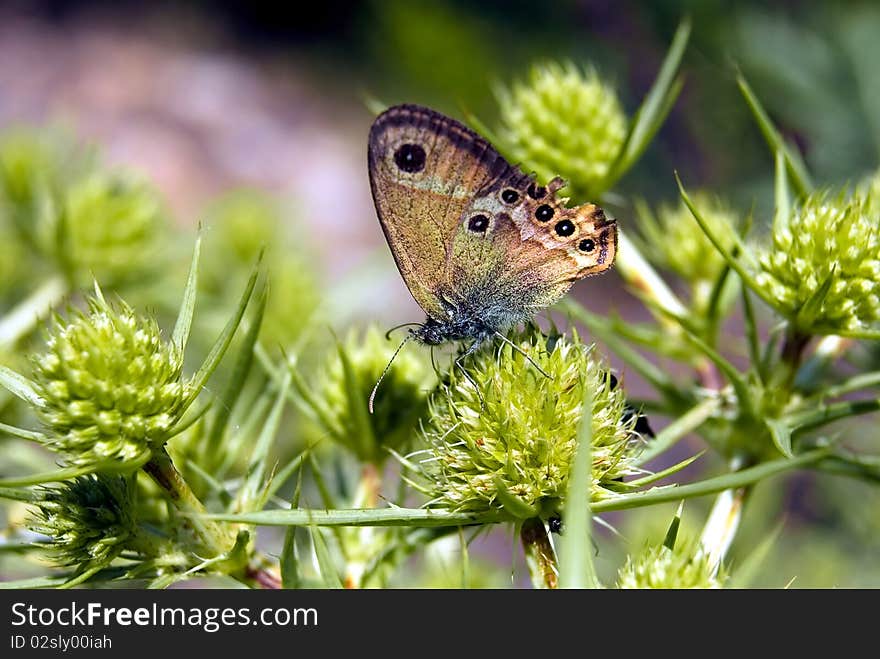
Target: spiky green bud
87, 222
660, 567
242, 225
31, 176
822, 267
675, 240
112, 388
111, 225
88, 521
515, 434
348, 378
564, 121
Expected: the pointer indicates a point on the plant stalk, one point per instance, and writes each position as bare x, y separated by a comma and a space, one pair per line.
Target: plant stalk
211, 538
540, 555
21, 320
366, 496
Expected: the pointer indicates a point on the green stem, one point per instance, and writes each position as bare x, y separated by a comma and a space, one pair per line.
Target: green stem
22, 320
540, 555
362, 540
421, 517
792, 352
777, 394
424, 517
211, 538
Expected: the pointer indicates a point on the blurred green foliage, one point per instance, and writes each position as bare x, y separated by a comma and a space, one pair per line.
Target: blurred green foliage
813, 64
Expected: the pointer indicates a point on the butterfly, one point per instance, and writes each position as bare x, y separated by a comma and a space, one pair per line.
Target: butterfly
479, 243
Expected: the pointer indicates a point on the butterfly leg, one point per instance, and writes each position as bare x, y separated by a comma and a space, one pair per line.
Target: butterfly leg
467, 376
524, 354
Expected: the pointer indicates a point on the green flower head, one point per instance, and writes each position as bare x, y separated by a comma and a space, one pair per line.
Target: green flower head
515, 434
661, 567
243, 225
88, 521
349, 375
31, 174
822, 267
111, 226
674, 238
112, 388
564, 121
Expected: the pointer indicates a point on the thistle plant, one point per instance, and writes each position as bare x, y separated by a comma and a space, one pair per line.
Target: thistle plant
110, 393
684, 566
672, 239
243, 226
138, 467
73, 220
822, 267
111, 389
502, 435
89, 521
110, 226
566, 122
347, 379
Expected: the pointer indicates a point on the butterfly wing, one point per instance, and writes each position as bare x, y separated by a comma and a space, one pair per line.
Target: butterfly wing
518, 249
425, 170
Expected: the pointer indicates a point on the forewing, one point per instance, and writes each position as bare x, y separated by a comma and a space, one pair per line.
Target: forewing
425, 170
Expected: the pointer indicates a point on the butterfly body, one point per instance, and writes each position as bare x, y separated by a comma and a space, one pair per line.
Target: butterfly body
480, 245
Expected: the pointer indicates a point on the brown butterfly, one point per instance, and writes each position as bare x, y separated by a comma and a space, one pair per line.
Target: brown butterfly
480, 245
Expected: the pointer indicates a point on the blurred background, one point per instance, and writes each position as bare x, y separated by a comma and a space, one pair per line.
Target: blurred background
213, 102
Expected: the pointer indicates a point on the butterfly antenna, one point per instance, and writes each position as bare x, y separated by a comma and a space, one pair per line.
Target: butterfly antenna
434, 364
397, 327
385, 372
524, 354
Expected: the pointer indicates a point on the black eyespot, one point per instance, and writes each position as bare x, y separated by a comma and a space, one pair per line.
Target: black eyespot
544, 213
555, 524
536, 192
410, 158
612, 381
586, 245
564, 228
510, 196
478, 223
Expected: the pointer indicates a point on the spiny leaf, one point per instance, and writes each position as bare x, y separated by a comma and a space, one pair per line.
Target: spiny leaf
672, 531
212, 361
329, 575
687, 422
660, 475
781, 434
232, 392
20, 386
655, 107
800, 178
187, 306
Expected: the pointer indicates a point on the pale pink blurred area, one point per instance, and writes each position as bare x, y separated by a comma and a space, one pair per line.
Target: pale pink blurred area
168, 98
172, 97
